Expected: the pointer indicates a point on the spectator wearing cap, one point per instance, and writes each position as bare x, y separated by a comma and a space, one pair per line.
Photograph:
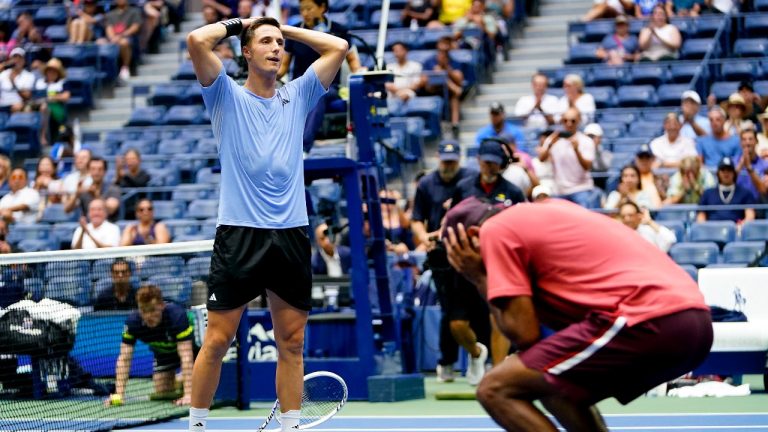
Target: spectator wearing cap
499, 126
619, 47
541, 192
655, 186
21, 203
726, 192
493, 158
671, 147
122, 25
720, 143
407, 79
54, 109
571, 153
16, 83
688, 184
575, 97
750, 167
329, 258
629, 188
659, 40
538, 109
736, 109
694, 124
603, 157
639, 219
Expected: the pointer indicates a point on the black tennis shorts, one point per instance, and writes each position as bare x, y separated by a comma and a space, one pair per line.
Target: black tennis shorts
247, 261
168, 362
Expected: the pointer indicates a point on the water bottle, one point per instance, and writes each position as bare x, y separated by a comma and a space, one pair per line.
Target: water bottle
414, 25
351, 146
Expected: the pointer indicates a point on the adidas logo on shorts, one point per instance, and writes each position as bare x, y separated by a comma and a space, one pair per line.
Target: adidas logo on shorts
198, 425
212, 297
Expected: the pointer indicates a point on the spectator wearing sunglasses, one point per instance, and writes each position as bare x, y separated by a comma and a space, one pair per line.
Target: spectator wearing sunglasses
20, 204
146, 230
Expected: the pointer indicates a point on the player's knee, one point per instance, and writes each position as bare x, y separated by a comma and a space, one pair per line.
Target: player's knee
216, 344
489, 391
291, 345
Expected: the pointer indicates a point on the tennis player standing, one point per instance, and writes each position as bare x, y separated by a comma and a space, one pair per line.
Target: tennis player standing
262, 243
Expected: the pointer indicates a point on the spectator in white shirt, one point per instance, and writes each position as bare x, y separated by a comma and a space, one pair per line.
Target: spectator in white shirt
538, 109
407, 79
640, 221
672, 147
99, 233
80, 176
16, 83
574, 97
20, 204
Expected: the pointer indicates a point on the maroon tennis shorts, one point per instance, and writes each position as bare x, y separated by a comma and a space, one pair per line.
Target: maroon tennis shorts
601, 357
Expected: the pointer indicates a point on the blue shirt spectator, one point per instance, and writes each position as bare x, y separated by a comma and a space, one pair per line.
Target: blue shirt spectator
499, 126
713, 149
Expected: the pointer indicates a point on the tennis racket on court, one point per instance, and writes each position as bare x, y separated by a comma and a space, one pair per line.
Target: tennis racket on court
325, 394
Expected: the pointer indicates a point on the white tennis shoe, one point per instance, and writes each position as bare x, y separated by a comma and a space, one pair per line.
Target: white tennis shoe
476, 366
445, 373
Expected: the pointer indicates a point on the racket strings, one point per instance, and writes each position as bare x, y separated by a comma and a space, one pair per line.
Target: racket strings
321, 398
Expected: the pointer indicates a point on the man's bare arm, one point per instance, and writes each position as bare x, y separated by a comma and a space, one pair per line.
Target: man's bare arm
332, 50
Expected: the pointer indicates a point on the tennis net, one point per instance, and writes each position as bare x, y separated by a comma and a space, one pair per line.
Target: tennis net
64, 316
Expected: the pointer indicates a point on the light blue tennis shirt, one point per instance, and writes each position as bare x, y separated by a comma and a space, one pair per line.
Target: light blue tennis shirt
260, 149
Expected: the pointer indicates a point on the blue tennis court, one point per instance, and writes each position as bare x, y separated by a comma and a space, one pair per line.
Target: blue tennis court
711, 422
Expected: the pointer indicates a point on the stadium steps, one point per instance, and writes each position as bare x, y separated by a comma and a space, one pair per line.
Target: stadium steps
113, 107
543, 44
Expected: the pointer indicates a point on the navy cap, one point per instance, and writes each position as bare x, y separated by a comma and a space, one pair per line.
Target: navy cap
470, 212
490, 151
449, 150
726, 163
497, 107
644, 150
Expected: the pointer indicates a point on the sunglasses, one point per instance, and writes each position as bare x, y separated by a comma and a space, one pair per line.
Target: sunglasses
569, 120
17, 177
143, 209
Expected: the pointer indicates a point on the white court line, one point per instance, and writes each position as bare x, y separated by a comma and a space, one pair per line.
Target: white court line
467, 429
481, 416
629, 428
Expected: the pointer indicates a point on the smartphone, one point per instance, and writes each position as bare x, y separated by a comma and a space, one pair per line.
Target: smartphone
565, 134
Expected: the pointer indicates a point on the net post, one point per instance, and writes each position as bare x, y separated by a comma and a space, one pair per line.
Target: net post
243, 369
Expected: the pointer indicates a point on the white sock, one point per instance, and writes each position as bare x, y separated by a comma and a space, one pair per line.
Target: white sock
290, 419
198, 417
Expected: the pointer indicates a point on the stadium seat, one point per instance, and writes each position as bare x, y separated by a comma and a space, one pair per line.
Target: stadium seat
696, 49
723, 89
595, 31
208, 229
199, 267
613, 130
685, 25
684, 73
147, 116
426, 40
707, 26
7, 142
697, 254
74, 288
636, 96
736, 70
755, 230
605, 97
583, 53
727, 265
430, 108
108, 60
180, 227
692, 271
670, 94
34, 245
761, 87
186, 72
101, 148
19, 232
193, 95
80, 82
62, 232
720, 232
75, 55
54, 213
648, 74
144, 146
168, 209
174, 147
644, 128
175, 289
393, 19
207, 176
617, 117
167, 176
35, 288
56, 33
561, 73
677, 226
66, 268
751, 47
755, 25
681, 212
183, 115
203, 208
607, 76
26, 126
743, 252
168, 94
161, 265
370, 37
101, 269
50, 16
761, 5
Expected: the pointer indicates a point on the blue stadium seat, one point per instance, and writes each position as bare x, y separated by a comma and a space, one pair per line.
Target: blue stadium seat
66, 268
168, 94
50, 15
208, 229
62, 232
196, 134
34, 286
186, 72
54, 213
174, 147
761, 5
761, 87
595, 31
166, 176
369, 36
561, 73
7, 143
681, 212
670, 94
35, 245
393, 19
80, 82
755, 25
207, 176
430, 108
723, 89
617, 117
707, 26
108, 59
684, 73
175, 289
755, 230
583, 53
199, 267
179, 227
101, 148
183, 115
168, 209
56, 33
26, 126
720, 232
147, 116
428, 39
607, 76
193, 95
74, 288
190, 192
734, 70
696, 49
636, 96
697, 254
677, 226
605, 97
203, 208
613, 130
648, 74
685, 25
742, 252
144, 146
120, 135
751, 47
645, 129
162, 265
692, 271
75, 55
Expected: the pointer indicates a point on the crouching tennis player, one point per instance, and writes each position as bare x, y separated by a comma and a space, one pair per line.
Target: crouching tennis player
626, 317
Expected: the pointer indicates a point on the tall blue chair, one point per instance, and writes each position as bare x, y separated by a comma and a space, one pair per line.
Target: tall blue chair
26, 126
755, 230
636, 96
697, 254
80, 82
720, 232
751, 47
743, 252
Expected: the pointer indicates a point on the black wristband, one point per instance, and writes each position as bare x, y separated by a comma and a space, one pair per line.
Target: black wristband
234, 26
